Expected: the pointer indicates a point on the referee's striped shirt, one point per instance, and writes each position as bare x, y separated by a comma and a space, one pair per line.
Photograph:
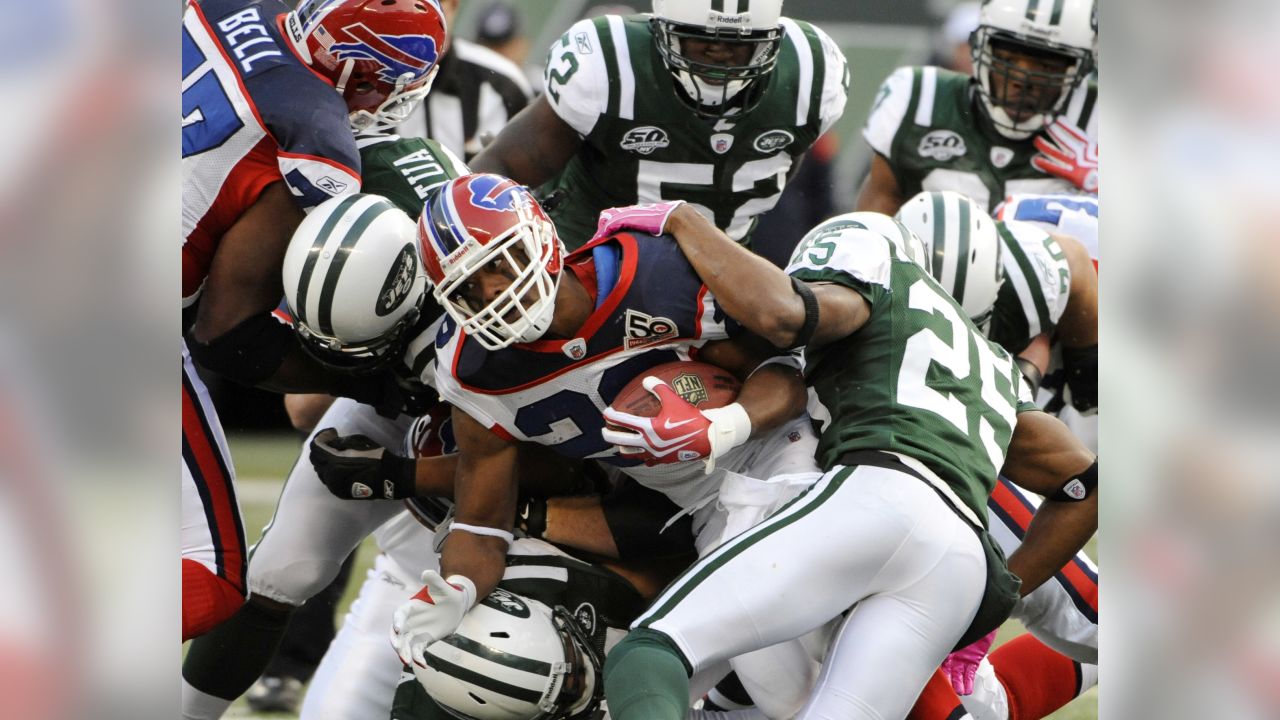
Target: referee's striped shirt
475, 94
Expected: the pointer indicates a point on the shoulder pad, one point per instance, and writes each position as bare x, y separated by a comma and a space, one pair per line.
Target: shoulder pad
842, 250
577, 79
831, 69
889, 110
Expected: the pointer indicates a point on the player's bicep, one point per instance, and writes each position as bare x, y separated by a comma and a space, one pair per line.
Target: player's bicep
485, 485
1043, 453
841, 312
532, 148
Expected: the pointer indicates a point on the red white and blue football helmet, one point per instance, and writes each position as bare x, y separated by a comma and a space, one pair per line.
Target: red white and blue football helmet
474, 220
381, 55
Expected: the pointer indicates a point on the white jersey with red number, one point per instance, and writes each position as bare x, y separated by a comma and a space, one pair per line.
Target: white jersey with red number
651, 308
252, 114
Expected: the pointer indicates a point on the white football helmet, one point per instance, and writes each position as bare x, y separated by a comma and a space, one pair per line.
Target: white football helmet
964, 248
1019, 100
709, 86
484, 220
353, 281
513, 658
896, 232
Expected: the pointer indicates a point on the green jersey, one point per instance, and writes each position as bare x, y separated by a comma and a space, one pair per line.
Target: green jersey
641, 143
927, 124
917, 379
404, 170
1037, 282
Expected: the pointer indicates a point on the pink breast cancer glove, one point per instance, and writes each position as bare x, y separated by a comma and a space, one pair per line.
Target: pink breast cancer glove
961, 665
1069, 154
649, 218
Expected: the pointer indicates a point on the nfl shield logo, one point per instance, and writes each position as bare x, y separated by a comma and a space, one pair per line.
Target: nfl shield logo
575, 349
721, 142
1000, 156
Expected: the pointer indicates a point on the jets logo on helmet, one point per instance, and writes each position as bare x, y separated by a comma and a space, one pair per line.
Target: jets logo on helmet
352, 281
398, 54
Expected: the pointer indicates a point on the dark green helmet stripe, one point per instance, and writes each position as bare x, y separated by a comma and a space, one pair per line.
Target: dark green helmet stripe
488, 683
1056, 16
530, 665
962, 252
325, 318
939, 235
313, 255
1032, 7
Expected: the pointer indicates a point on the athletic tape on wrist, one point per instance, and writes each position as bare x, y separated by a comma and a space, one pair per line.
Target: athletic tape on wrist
810, 313
481, 530
1078, 488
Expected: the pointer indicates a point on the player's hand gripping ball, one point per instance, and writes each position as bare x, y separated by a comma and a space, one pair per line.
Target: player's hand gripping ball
677, 412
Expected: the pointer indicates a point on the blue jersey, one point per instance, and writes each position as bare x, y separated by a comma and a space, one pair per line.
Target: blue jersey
252, 114
651, 309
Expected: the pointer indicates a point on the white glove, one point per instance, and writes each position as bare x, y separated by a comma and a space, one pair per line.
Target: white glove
433, 613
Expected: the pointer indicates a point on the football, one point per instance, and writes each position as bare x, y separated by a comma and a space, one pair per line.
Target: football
701, 385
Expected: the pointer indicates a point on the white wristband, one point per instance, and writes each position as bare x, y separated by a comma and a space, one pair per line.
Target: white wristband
481, 530
730, 427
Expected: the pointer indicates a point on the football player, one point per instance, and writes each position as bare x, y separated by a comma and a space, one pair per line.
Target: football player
1024, 122
312, 532
919, 412
708, 101
265, 137
535, 346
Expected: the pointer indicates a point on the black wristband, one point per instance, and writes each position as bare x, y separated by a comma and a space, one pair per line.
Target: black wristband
248, 353
399, 476
810, 313
1078, 488
1032, 374
532, 517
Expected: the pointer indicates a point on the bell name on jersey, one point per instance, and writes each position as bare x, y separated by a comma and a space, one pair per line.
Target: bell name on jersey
926, 123
606, 80
918, 379
252, 115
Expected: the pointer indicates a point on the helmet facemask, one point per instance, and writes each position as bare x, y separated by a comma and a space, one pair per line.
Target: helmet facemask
1018, 100
717, 90
400, 102
359, 358
523, 311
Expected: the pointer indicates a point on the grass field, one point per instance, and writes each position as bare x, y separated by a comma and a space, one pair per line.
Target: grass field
262, 461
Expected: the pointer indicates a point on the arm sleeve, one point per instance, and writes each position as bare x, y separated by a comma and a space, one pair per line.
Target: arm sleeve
889, 111
576, 80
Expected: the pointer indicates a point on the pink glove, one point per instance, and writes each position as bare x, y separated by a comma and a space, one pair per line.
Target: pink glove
961, 665
680, 432
650, 218
1072, 155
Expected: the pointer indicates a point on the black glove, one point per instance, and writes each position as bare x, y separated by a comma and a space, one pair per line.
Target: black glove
1081, 365
531, 517
355, 467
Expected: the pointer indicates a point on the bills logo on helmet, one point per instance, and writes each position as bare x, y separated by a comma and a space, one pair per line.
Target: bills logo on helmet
488, 193
398, 54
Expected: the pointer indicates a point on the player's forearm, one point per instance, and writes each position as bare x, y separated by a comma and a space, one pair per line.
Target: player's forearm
772, 396
1057, 532
434, 476
480, 558
750, 289
534, 146
579, 522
